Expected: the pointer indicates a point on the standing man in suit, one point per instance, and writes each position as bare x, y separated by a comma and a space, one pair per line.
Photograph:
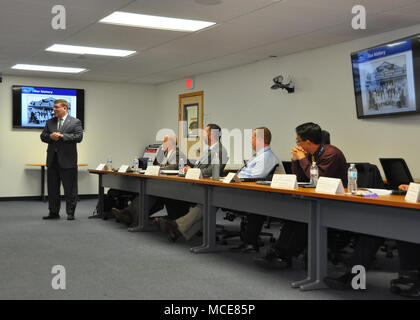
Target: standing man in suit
62, 133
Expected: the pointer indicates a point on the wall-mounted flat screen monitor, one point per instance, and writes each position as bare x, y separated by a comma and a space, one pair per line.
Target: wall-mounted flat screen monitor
386, 78
33, 106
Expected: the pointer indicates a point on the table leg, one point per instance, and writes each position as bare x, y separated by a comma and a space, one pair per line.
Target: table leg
144, 208
209, 226
100, 212
311, 247
320, 239
43, 184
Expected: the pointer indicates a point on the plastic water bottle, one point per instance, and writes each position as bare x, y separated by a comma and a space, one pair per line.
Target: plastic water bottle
150, 162
352, 179
181, 167
215, 170
314, 173
109, 163
136, 165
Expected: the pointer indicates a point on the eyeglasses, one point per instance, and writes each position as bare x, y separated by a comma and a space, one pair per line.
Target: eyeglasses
57, 107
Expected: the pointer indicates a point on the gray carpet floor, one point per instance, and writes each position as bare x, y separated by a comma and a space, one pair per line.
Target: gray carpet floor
104, 261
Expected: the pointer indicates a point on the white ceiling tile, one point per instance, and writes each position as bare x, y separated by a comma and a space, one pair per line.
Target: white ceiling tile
189, 9
247, 30
121, 37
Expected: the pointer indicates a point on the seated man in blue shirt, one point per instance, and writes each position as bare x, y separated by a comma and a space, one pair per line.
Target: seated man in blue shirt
265, 160
258, 167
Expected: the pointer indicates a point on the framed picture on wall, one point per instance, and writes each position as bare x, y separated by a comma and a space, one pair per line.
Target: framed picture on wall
191, 116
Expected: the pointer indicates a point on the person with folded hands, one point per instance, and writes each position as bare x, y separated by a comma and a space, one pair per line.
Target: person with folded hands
331, 163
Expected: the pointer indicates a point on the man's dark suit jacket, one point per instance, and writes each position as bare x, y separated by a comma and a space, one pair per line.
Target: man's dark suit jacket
65, 147
206, 166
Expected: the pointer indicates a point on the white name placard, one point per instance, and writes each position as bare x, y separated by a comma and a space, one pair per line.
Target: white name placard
231, 176
413, 192
329, 185
123, 168
194, 174
284, 181
101, 166
152, 171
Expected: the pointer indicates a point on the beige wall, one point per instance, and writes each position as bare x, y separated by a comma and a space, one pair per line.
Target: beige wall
121, 119
117, 123
241, 98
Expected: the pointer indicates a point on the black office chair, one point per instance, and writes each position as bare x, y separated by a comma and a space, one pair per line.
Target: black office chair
368, 177
287, 165
231, 215
396, 172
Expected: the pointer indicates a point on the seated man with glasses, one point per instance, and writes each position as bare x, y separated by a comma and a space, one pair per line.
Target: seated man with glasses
331, 163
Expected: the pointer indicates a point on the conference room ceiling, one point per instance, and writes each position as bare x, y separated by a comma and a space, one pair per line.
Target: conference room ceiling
246, 31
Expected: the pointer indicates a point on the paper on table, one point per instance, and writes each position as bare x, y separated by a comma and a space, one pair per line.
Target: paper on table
194, 174
380, 192
329, 185
287, 181
413, 192
152, 170
231, 176
123, 168
169, 171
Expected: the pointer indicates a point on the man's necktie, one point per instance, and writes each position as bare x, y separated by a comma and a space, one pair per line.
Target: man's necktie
60, 123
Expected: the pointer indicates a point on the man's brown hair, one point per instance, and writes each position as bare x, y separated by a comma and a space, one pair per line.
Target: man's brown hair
267, 134
63, 103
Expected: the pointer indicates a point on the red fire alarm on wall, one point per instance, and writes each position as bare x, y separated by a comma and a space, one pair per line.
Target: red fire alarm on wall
189, 83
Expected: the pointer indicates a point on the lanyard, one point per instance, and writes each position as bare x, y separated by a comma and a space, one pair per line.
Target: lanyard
320, 152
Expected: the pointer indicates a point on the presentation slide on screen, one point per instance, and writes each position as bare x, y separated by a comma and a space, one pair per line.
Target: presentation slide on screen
38, 103
387, 79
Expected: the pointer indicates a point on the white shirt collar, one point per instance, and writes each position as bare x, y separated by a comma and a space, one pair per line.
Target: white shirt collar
214, 146
262, 150
64, 118
168, 156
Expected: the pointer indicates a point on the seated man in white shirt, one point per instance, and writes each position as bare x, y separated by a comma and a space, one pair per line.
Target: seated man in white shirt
258, 167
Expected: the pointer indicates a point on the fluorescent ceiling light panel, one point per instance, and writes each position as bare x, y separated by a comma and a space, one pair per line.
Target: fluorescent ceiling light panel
33, 67
395, 44
65, 48
155, 22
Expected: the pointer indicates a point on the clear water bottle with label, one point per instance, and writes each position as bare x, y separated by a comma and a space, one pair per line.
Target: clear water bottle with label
181, 167
352, 179
136, 165
314, 173
109, 163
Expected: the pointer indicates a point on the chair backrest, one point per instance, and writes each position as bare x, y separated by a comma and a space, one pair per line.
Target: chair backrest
271, 173
396, 172
287, 165
368, 176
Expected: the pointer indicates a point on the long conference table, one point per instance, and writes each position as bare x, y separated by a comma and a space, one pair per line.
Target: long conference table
385, 216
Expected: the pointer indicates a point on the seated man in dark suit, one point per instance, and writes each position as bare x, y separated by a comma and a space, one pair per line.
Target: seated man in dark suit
258, 167
332, 163
169, 161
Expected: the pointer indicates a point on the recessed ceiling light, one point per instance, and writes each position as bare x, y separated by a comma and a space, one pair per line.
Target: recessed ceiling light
34, 67
155, 22
395, 44
65, 48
